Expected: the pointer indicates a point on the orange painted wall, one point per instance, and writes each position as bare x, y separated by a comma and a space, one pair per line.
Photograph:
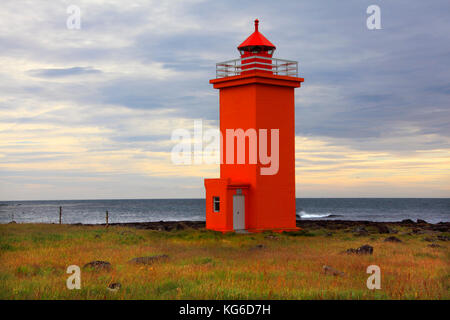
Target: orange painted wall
220, 221
275, 194
238, 110
223, 220
260, 101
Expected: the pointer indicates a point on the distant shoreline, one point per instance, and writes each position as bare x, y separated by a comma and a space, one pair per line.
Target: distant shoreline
383, 227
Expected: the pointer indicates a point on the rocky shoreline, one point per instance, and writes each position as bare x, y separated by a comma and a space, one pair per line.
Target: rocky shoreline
358, 227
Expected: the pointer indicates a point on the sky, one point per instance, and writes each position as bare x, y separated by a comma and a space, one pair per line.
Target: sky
88, 113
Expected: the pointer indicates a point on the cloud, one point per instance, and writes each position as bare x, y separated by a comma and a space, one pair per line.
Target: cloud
63, 72
101, 102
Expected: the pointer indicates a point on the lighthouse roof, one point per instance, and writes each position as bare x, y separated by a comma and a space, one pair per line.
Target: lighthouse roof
256, 39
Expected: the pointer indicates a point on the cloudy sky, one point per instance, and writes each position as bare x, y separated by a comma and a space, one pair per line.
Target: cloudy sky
89, 113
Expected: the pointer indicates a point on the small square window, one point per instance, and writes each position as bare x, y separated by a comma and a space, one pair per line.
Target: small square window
216, 204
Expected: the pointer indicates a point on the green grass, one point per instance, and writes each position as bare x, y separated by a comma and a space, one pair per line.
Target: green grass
205, 264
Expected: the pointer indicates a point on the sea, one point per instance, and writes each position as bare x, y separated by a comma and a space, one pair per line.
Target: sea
147, 210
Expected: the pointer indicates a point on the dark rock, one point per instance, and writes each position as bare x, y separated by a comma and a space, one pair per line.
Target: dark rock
429, 239
114, 287
382, 228
392, 239
332, 271
365, 249
408, 221
421, 221
98, 265
149, 260
162, 225
434, 245
443, 238
258, 247
180, 226
360, 231
419, 231
441, 228
329, 234
12, 222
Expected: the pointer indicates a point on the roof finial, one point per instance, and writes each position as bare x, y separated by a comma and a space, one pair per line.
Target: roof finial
256, 25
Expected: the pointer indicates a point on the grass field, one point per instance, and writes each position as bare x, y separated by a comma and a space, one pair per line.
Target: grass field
208, 265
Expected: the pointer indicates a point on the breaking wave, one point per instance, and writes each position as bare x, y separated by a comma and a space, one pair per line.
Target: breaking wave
303, 215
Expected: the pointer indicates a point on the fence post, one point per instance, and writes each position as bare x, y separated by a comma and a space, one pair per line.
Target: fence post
60, 214
107, 216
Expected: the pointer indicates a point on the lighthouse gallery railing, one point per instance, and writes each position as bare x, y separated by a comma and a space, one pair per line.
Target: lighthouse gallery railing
277, 66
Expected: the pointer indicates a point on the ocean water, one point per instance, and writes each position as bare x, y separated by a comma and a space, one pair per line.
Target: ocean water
93, 211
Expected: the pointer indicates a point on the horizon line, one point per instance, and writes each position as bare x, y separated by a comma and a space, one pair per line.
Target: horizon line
122, 199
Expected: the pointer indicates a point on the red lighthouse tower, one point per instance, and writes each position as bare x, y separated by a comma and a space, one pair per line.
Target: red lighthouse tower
256, 188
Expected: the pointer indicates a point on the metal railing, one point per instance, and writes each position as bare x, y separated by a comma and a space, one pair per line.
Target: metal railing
276, 66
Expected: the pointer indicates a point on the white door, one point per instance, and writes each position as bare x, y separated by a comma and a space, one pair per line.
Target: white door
238, 212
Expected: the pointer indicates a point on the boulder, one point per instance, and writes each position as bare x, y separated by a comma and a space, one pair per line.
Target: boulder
434, 245
360, 231
149, 260
428, 239
98, 265
258, 247
332, 271
382, 228
443, 238
365, 249
181, 226
392, 239
114, 287
440, 227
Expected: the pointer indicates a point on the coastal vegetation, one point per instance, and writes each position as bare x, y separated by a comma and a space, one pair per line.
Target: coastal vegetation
200, 264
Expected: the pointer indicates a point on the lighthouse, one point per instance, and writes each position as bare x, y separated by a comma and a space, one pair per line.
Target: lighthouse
256, 188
